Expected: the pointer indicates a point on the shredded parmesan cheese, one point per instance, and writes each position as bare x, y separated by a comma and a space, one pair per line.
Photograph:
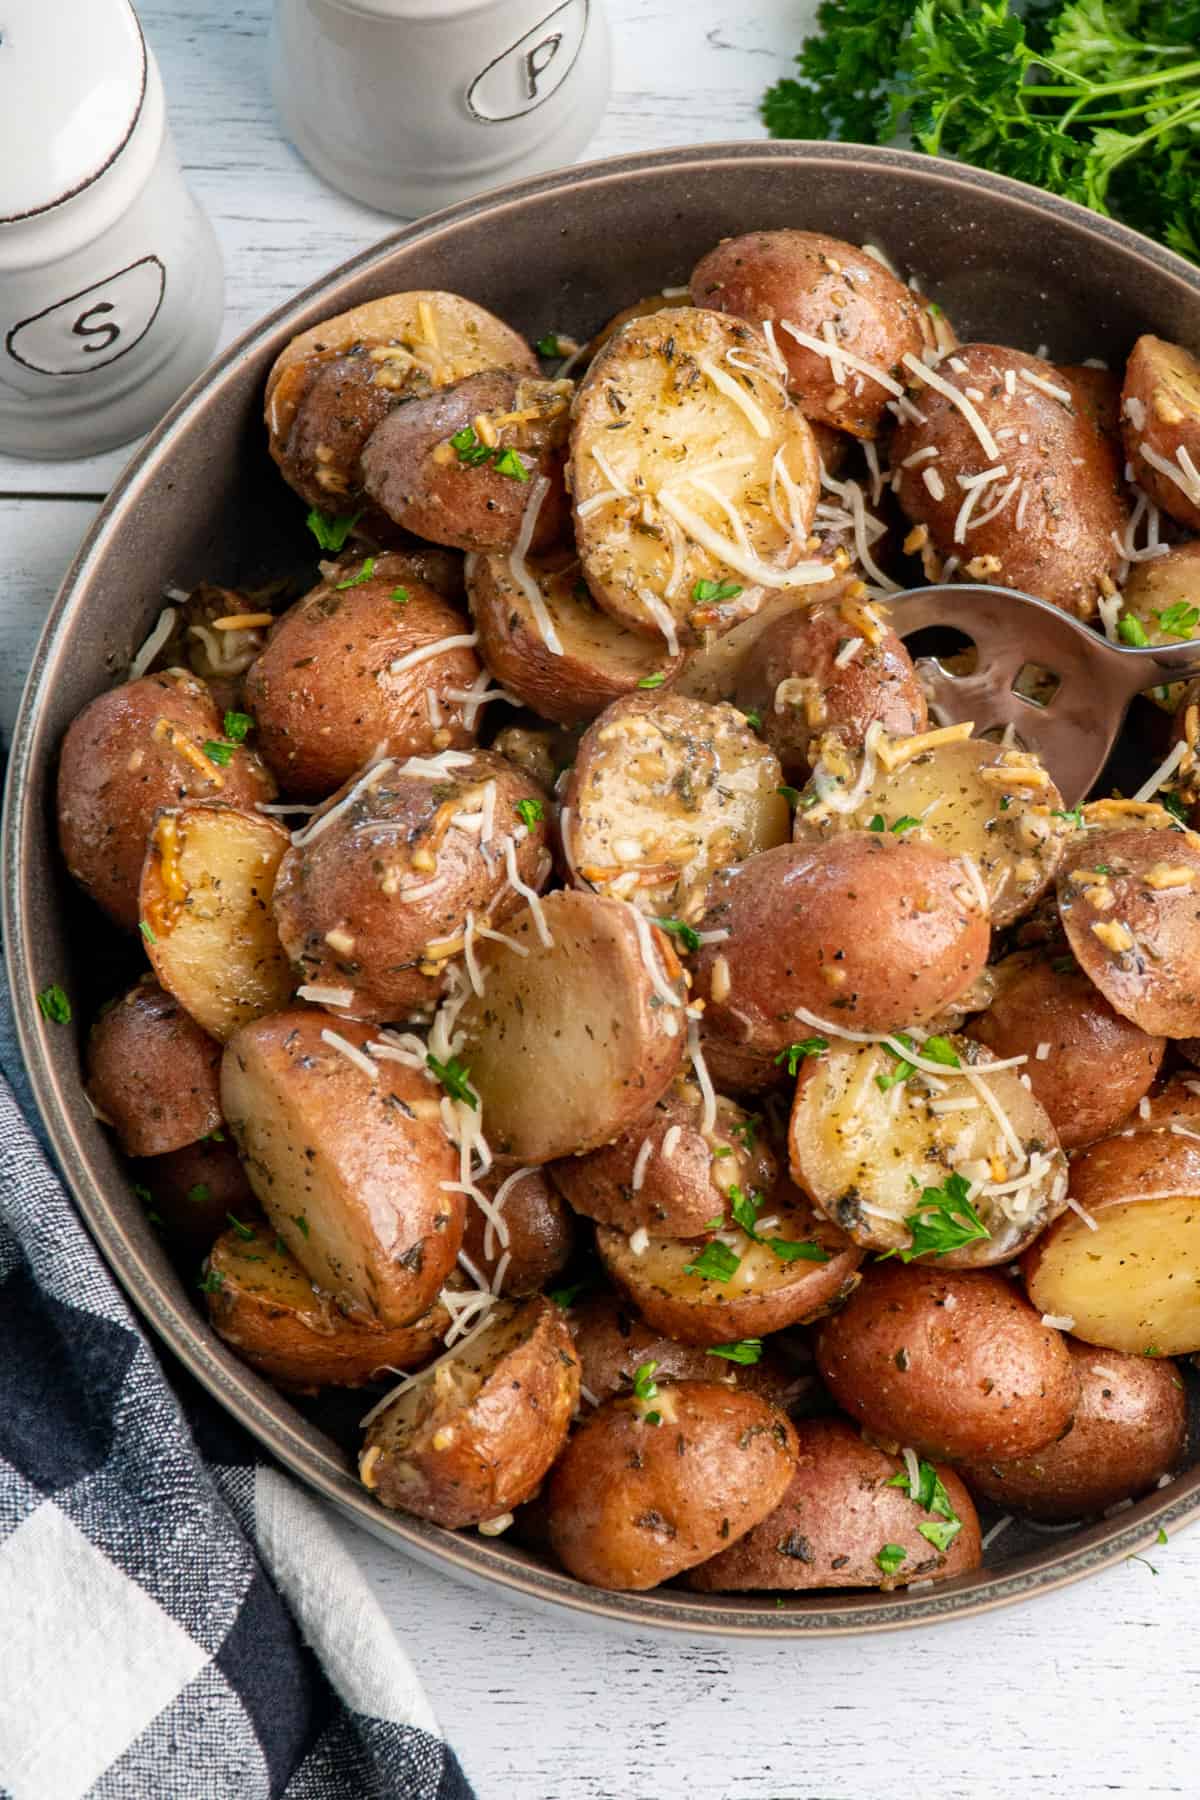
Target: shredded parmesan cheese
352, 1053
956, 398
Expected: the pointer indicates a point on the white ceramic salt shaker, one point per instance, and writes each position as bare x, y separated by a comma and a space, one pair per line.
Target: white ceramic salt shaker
111, 287
409, 105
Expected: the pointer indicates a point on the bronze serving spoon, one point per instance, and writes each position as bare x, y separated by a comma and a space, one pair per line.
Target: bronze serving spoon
1026, 643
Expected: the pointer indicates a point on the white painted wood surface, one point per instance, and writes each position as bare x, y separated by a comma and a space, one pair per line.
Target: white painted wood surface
1081, 1694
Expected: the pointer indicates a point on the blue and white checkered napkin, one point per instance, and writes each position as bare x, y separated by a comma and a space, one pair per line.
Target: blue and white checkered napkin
177, 1620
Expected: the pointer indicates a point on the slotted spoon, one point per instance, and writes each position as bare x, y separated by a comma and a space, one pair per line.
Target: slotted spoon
1075, 727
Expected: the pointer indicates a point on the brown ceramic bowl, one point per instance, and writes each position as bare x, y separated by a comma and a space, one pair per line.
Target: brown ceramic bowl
202, 500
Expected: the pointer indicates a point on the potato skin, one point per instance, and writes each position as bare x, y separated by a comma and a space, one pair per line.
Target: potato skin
1099, 1064
1130, 1428
340, 901
412, 472
954, 1365
349, 1171
477, 1457
678, 1194
541, 1233
322, 691
266, 1309
1160, 411
1147, 970
792, 679
809, 279
192, 1192
836, 1516
865, 928
128, 754
632, 1504
152, 1072
1070, 471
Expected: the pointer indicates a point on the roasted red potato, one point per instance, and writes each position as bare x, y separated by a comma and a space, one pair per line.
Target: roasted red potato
1160, 415
152, 1073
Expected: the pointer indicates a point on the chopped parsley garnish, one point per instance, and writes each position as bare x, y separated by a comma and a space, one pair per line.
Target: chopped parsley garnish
1179, 618
746, 1351
454, 1078
245, 1232
905, 823
903, 1069
876, 823
1130, 630
644, 1385
1072, 814
54, 1005
747, 1130
653, 681
1170, 801
509, 463
945, 1220
211, 1281
329, 530
567, 1296
794, 1054
147, 932
790, 794
530, 812
744, 1209
710, 593
931, 1494
1152, 1350
142, 1192
752, 717
890, 1557
301, 1224
399, 595
688, 936
468, 449
716, 1262
789, 1251
200, 1193
364, 574
941, 1533
1162, 1536
218, 752
548, 345
941, 1050
236, 726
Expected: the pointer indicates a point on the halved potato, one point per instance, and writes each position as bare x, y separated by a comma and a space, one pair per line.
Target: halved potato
643, 1491
973, 798
1129, 1279
712, 670
474, 1434
597, 659
538, 1233
613, 1342
694, 478
842, 1523
377, 903
1129, 901
877, 1151
1160, 411
349, 1160
734, 1286
572, 1039
152, 1073
867, 929
663, 792
205, 905
669, 1174
266, 1308
1129, 1430
1086, 1064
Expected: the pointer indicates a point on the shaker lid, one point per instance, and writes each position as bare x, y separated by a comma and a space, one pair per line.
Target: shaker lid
72, 78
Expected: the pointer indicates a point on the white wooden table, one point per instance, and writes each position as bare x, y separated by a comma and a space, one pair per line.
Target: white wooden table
1081, 1694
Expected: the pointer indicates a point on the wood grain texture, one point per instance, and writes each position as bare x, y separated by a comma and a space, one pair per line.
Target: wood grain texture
1079, 1695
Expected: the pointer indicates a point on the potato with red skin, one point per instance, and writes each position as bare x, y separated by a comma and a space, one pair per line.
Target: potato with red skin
632, 1502
1160, 413
152, 1073
873, 931
677, 1194
1176, 1102
130, 752
473, 1436
263, 1305
839, 1511
764, 1292
1098, 1065
342, 902
323, 692
475, 501
1070, 479
613, 1342
355, 1172
190, 1193
1129, 901
541, 1232
598, 660
811, 280
953, 1365
1130, 1429
1097, 394
1127, 1275
793, 679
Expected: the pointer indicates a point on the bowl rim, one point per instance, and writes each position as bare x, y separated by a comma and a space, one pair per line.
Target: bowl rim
250, 1399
